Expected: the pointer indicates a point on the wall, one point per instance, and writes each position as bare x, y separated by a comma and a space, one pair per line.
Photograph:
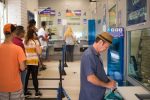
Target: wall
61, 6
17, 12
102, 17
32, 6
102, 13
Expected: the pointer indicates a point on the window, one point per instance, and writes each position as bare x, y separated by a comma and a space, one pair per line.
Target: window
136, 11
139, 56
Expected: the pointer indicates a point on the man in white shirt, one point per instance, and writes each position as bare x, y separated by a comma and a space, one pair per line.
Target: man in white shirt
43, 37
42, 34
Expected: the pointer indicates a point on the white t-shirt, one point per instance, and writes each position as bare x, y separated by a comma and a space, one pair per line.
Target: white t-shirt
69, 40
42, 32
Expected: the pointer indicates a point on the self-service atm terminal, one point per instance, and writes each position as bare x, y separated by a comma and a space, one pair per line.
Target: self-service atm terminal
115, 56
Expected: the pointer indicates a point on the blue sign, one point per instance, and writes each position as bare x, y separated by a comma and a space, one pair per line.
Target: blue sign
91, 31
30, 15
136, 11
46, 11
116, 32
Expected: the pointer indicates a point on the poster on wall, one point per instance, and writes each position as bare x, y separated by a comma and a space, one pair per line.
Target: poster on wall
46, 11
30, 15
73, 17
69, 13
59, 21
84, 21
77, 12
52, 12
59, 13
136, 11
73, 13
112, 16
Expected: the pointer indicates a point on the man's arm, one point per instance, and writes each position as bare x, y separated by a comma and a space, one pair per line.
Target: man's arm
22, 66
94, 80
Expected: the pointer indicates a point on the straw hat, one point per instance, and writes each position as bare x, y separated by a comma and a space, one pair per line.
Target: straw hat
105, 36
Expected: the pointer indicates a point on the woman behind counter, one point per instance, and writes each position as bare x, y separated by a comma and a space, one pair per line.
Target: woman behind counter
70, 41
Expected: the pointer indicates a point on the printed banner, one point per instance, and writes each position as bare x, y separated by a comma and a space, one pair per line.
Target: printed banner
52, 12
46, 11
59, 21
136, 11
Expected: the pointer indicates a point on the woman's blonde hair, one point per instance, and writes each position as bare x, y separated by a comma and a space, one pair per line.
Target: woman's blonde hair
68, 32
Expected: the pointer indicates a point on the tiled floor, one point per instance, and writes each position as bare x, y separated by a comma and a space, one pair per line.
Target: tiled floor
71, 82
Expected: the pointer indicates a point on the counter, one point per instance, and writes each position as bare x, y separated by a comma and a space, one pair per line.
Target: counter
55, 46
128, 92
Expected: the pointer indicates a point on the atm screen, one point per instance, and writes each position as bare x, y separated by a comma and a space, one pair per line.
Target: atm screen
114, 55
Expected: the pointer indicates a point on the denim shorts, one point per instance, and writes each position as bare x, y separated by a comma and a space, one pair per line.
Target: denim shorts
12, 95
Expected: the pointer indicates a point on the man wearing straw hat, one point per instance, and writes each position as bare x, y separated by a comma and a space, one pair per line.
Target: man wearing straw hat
94, 80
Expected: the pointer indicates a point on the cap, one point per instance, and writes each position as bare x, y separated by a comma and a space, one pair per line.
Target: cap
105, 36
9, 28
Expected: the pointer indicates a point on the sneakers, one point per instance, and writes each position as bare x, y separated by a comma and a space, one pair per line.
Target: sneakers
42, 68
28, 93
37, 94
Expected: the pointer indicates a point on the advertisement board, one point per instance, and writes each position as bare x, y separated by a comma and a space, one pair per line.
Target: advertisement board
136, 11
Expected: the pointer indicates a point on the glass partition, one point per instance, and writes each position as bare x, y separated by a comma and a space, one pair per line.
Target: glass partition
139, 56
136, 11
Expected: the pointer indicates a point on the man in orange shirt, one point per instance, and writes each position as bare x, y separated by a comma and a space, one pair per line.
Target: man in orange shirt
12, 61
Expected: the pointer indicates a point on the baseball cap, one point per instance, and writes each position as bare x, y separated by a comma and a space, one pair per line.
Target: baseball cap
9, 28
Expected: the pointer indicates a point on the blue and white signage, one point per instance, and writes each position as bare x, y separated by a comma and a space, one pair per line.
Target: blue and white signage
136, 11
116, 32
46, 11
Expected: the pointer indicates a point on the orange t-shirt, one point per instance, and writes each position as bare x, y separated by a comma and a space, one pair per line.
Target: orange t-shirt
10, 57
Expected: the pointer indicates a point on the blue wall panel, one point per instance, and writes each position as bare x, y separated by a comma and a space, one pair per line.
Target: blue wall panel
91, 31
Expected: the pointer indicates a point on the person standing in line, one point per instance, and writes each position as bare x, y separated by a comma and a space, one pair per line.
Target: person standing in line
12, 61
94, 80
70, 41
19, 34
31, 25
32, 49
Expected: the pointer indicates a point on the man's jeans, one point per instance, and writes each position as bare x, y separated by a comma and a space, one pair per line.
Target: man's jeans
23, 77
12, 95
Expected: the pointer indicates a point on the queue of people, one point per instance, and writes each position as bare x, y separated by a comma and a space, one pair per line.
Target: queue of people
19, 59
12, 59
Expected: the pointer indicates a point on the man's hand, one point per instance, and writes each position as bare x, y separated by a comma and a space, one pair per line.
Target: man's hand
22, 66
111, 84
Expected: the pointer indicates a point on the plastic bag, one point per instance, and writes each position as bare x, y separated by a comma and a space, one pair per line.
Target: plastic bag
113, 95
